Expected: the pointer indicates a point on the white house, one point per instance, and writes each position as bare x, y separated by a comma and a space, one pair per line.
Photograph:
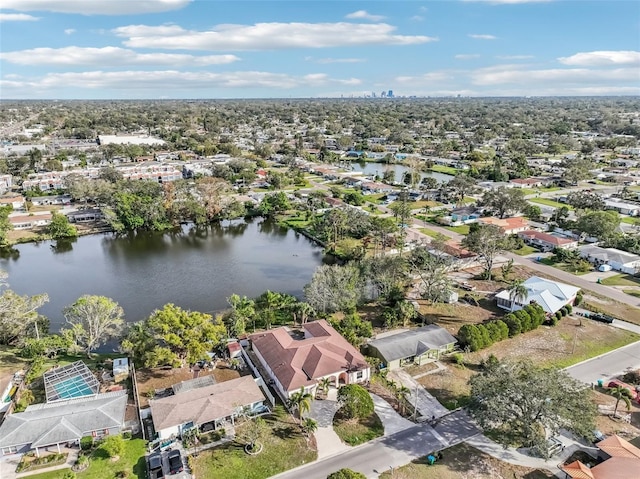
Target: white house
551, 295
622, 207
619, 260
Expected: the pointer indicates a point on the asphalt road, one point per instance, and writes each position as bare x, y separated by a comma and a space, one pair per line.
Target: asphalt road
380, 455
607, 365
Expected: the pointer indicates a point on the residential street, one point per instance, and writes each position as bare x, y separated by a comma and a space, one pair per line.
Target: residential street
607, 365
381, 454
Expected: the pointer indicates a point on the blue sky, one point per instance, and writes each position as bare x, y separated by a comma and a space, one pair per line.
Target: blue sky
101, 49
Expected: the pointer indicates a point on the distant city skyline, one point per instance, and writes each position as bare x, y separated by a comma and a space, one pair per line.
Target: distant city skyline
191, 49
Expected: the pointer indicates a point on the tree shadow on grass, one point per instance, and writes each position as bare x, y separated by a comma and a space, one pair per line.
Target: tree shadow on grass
285, 432
140, 468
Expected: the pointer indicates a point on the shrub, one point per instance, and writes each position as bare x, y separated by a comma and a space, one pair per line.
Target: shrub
458, 358
469, 335
490, 363
113, 446
126, 435
69, 475
525, 320
564, 312
558, 315
122, 474
346, 474
632, 377
578, 299
514, 325
86, 443
553, 320
569, 308
485, 338
355, 401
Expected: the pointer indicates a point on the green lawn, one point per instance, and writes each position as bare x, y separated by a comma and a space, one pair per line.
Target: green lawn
630, 221
447, 170
284, 448
433, 234
354, 431
592, 348
632, 292
462, 229
101, 467
525, 250
548, 202
563, 266
621, 280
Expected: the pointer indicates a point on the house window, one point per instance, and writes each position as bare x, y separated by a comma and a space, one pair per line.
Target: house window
359, 375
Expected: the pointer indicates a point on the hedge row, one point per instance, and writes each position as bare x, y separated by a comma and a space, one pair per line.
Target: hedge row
480, 336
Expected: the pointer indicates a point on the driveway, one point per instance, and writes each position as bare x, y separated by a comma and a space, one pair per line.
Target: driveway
391, 420
8, 466
427, 405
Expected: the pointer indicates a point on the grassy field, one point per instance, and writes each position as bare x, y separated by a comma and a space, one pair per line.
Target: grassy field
463, 229
630, 221
465, 462
433, 234
548, 202
632, 292
572, 340
10, 361
525, 250
102, 467
354, 431
447, 170
621, 280
563, 266
284, 448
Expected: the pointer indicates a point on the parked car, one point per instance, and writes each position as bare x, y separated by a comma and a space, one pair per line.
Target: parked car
154, 466
467, 286
175, 462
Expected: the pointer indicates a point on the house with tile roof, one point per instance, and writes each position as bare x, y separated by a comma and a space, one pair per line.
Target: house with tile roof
293, 361
205, 407
547, 241
508, 226
619, 460
551, 295
63, 422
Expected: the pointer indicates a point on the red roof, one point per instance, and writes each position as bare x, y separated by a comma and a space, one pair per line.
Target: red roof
299, 362
546, 237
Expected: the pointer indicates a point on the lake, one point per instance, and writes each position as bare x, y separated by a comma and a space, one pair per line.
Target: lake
400, 170
196, 268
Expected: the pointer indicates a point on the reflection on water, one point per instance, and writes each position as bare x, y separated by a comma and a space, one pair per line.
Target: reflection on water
194, 267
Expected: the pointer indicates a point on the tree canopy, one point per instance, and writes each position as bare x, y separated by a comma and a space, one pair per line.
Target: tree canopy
355, 401
525, 402
173, 336
487, 241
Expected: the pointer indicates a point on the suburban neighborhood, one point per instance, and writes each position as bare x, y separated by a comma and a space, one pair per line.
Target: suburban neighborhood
461, 270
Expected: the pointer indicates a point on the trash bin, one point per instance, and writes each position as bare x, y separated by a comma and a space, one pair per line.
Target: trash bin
600, 383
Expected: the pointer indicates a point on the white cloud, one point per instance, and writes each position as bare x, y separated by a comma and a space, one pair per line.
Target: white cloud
266, 36
514, 57
145, 83
505, 74
69, 31
108, 57
324, 61
431, 77
467, 56
364, 15
602, 58
478, 36
95, 7
417, 18
17, 17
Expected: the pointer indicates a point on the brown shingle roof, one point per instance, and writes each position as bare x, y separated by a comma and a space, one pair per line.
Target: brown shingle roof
546, 237
205, 404
297, 363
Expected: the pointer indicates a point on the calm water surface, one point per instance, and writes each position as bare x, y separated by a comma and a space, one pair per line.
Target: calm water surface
195, 269
400, 170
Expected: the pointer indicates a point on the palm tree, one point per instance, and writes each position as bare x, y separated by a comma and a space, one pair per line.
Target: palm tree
300, 400
324, 384
621, 393
243, 311
268, 302
517, 291
309, 426
401, 396
301, 310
